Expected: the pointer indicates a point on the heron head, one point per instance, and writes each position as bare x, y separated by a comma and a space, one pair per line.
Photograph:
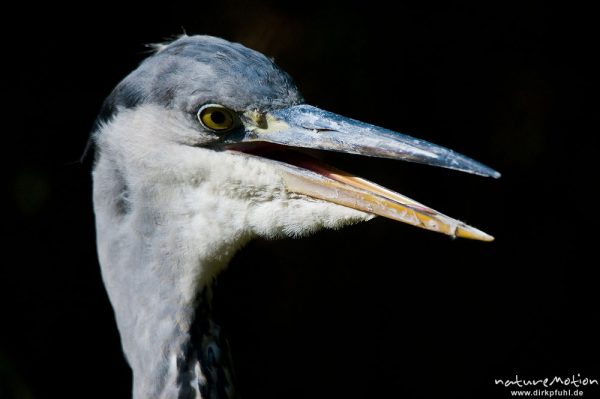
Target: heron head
205, 121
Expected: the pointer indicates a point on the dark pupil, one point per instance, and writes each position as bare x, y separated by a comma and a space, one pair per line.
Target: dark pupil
217, 117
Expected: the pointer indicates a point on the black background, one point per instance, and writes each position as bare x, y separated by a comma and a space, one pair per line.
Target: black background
379, 309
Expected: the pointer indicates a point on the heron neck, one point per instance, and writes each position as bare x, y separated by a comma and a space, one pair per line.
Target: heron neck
161, 295
173, 345
160, 247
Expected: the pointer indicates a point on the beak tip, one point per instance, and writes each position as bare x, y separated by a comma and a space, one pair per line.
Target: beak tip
489, 238
486, 171
473, 234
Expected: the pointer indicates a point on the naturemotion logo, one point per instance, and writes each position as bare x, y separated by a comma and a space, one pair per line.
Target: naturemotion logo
562, 386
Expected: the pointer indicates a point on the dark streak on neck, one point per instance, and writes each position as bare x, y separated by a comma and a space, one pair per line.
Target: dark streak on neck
208, 347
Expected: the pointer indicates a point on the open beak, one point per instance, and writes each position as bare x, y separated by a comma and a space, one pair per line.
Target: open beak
305, 126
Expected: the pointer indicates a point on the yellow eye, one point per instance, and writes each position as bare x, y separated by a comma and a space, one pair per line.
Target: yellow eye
216, 117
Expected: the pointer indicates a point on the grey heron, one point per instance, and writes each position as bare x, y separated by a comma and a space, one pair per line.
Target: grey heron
199, 150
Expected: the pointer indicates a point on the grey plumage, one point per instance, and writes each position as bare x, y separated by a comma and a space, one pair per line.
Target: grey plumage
198, 69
